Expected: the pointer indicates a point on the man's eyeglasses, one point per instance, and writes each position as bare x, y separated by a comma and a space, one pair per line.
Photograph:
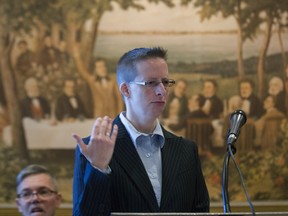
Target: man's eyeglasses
154, 83
44, 193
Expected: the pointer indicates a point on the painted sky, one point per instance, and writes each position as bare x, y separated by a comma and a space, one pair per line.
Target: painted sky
158, 17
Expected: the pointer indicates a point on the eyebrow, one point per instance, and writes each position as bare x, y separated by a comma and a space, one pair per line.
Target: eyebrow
38, 188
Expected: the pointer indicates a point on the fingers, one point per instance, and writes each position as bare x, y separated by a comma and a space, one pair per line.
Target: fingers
96, 128
105, 124
114, 133
109, 128
102, 127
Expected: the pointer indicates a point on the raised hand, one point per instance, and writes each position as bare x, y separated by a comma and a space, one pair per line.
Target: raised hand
100, 148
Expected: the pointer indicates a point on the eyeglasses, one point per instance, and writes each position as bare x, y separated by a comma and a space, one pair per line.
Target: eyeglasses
154, 83
44, 193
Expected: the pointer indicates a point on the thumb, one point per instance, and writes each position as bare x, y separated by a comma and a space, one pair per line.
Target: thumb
80, 143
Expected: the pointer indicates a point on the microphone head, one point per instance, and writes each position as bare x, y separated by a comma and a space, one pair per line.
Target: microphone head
238, 117
237, 120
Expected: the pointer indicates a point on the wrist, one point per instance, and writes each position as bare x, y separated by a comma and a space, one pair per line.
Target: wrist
106, 170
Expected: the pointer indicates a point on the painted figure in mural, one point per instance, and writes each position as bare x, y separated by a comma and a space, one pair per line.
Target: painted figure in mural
105, 94
63, 54
69, 106
251, 105
200, 120
195, 106
176, 108
276, 89
271, 113
64, 59
133, 164
213, 105
37, 192
34, 105
235, 102
49, 56
25, 60
214, 108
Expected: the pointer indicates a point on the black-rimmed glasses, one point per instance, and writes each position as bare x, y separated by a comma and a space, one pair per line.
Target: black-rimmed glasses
44, 193
154, 83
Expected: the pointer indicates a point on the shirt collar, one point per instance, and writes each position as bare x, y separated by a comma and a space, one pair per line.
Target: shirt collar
134, 133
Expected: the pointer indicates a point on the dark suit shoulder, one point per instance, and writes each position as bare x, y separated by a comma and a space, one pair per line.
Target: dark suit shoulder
172, 138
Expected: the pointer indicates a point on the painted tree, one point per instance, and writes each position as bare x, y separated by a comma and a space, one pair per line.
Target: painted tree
270, 14
18, 18
228, 8
282, 25
82, 19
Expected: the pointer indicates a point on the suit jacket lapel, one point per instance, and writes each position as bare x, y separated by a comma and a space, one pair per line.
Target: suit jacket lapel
170, 165
126, 155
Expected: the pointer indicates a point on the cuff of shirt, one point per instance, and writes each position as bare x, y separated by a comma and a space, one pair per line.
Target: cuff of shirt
104, 171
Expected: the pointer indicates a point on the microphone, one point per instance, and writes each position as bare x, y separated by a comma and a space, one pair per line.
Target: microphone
237, 120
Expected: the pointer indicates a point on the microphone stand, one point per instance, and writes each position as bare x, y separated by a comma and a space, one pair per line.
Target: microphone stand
237, 119
225, 174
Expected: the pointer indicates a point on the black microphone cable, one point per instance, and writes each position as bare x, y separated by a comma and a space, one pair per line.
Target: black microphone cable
238, 119
242, 181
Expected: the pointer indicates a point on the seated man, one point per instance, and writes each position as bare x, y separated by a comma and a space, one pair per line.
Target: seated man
251, 104
213, 105
37, 192
198, 124
195, 105
276, 89
264, 140
34, 105
176, 108
69, 106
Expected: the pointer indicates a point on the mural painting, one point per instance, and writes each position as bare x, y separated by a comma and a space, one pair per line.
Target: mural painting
58, 76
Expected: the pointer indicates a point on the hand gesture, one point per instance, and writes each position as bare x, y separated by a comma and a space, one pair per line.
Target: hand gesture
100, 148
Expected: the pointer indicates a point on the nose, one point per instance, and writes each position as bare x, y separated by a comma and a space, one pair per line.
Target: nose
35, 200
160, 89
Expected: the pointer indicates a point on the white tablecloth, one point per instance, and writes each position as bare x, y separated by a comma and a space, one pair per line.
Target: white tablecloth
43, 135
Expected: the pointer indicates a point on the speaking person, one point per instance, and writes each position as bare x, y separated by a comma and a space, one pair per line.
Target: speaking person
132, 164
37, 192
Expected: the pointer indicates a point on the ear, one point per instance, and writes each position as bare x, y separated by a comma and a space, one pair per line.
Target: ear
58, 199
124, 88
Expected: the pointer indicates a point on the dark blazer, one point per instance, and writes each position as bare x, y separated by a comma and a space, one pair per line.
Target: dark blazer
128, 188
256, 107
217, 107
64, 109
27, 110
183, 105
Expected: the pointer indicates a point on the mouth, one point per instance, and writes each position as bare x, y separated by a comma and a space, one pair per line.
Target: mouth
159, 102
37, 210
